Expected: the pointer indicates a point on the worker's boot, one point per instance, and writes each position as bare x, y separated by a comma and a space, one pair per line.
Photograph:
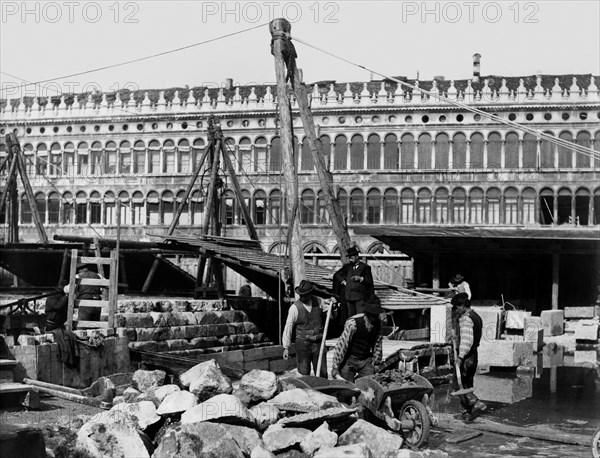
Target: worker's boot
478, 408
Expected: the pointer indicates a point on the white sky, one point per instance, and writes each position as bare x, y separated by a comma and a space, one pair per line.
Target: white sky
46, 40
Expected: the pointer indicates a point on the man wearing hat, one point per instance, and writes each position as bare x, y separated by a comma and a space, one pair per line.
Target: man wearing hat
358, 282
469, 334
459, 285
359, 348
305, 316
56, 307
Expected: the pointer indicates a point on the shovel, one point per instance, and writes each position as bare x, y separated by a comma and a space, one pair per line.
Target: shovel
462, 390
320, 360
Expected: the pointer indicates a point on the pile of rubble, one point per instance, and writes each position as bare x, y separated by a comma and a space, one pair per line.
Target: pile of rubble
205, 414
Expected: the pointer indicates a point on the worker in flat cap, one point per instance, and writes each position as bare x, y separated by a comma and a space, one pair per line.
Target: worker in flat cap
356, 280
359, 349
305, 317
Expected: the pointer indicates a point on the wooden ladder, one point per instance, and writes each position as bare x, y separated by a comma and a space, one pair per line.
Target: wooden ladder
108, 307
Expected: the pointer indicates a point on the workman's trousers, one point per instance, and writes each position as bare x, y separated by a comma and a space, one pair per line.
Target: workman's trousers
355, 368
307, 353
355, 307
467, 374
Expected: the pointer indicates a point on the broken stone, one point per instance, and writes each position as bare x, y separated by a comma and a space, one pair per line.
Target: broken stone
247, 438
311, 419
162, 392
206, 439
381, 442
265, 415
322, 437
31, 400
103, 387
118, 400
223, 407
302, 400
109, 440
144, 380
148, 396
260, 385
205, 380
177, 401
140, 414
360, 450
261, 452
242, 396
278, 438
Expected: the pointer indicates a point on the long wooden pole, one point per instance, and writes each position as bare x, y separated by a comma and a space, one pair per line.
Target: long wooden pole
325, 177
278, 29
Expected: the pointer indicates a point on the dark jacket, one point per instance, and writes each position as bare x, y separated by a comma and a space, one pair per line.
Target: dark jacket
309, 326
356, 291
89, 291
363, 341
56, 309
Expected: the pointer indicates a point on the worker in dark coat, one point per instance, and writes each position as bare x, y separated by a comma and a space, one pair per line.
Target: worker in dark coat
468, 335
56, 308
360, 347
89, 292
246, 289
305, 317
358, 283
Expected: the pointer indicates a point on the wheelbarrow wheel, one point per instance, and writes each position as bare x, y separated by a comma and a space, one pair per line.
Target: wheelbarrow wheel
415, 412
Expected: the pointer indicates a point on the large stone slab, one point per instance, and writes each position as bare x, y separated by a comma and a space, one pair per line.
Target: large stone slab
140, 414
259, 385
301, 400
223, 407
317, 416
553, 321
506, 353
277, 438
491, 318
381, 442
586, 330
515, 319
177, 402
360, 450
580, 312
206, 380
145, 380
110, 440
507, 389
205, 439
162, 392
322, 437
440, 324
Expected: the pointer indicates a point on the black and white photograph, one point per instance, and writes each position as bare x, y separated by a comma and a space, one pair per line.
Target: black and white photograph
259, 229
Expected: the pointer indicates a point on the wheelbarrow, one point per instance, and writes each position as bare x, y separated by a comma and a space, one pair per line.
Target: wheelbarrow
341, 389
401, 400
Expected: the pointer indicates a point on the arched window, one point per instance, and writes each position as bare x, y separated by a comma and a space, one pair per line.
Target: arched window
343, 200
110, 217
326, 148
53, 208
229, 207
26, 213
184, 153
137, 208
307, 159
314, 248
125, 157
407, 201
96, 158
357, 206
169, 156
68, 210
111, 158
442, 151
511, 206
407, 152
583, 160
493, 205
390, 206
459, 151
125, 204
476, 206
95, 208
29, 159
528, 196
245, 156
424, 206
167, 207
275, 163
260, 154
81, 208
424, 151
154, 157
184, 217
547, 152
564, 214
565, 155
233, 153
139, 157
322, 213
511, 155
582, 207
246, 200
152, 209
390, 152
357, 152
459, 206
494, 149
596, 204
373, 152
279, 248
441, 206
373, 206
40, 204
197, 208
307, 207
197, 151
529, 151
546, 206
275, 207
259, 208
341, 153
41, 163
476, 149
55, 159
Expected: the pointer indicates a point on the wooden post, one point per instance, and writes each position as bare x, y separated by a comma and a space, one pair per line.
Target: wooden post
278, 29
325, 176
151, 274
64, 266
72, 286
113, 287
555, 278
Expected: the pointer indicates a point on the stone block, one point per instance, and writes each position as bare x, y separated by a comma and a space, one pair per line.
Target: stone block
178, 344
193, 331
580, 312
553, 321
553, 355
44, 370
507, 389
440, 324
491, 318
515, 319
506, 353
570, 326
585, 357
144, 346
586, 330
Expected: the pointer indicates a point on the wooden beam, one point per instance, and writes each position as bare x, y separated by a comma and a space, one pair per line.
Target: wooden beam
150, 276
555, 279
